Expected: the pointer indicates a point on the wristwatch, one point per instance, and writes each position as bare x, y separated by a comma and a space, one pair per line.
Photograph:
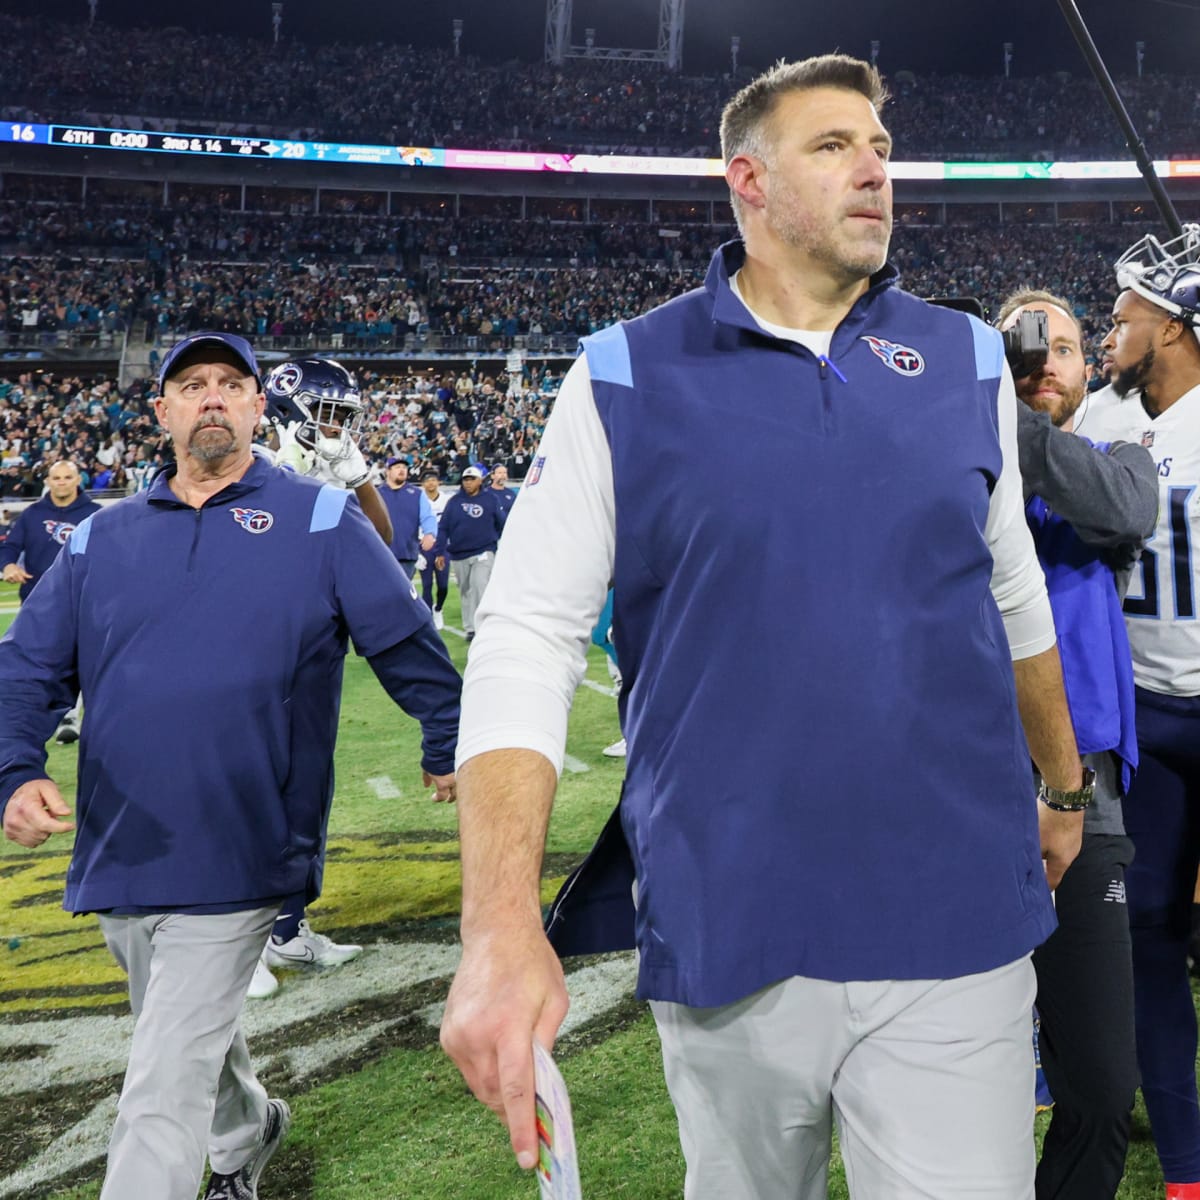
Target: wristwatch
1073, 801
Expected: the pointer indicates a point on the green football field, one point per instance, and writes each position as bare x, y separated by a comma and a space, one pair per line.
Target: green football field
378, 1111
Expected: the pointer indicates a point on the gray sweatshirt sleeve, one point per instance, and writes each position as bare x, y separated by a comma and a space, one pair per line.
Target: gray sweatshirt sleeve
1110, 499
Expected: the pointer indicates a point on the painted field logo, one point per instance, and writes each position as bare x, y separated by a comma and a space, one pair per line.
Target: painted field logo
65, 1027
904, 360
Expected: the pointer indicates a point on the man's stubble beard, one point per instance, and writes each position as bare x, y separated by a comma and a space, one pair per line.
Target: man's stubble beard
207, 449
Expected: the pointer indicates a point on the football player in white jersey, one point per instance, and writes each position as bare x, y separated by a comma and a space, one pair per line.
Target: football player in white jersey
1154, 353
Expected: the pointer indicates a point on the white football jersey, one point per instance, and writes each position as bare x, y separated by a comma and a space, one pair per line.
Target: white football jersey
438, 505
1164, 593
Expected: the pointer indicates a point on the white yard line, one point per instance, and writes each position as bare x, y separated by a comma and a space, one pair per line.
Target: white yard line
383, 787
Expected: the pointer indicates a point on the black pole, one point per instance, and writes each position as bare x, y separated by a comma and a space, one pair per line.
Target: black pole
1134, 142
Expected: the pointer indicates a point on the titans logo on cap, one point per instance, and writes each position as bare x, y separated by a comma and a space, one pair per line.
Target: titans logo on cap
904, 360
253, 520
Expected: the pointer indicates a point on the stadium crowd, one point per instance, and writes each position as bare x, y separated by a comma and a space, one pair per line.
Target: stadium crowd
443, 417
101, 74
434, 419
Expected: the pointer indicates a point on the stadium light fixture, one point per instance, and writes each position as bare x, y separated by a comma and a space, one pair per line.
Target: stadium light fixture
1008, 51
456, 27
1140, 49
874, 52
735, 44
276, 19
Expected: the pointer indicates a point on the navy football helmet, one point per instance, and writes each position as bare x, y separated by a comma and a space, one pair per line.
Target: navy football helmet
1166, 273
318, 397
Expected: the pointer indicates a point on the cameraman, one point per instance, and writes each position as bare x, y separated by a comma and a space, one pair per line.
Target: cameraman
1089, 508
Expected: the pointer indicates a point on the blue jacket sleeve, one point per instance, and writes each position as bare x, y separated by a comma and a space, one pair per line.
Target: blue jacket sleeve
428, 518
38, 676
417, 673
13, 546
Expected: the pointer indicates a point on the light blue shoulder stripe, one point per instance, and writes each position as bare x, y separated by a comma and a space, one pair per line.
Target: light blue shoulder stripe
328, 509
989, 349
77, 542
608, 356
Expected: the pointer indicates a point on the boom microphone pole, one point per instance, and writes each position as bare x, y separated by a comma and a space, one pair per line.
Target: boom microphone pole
1167, 210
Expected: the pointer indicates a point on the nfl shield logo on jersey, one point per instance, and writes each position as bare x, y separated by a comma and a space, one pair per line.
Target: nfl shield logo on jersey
535, 472
1148, 438
253, 520
904, 360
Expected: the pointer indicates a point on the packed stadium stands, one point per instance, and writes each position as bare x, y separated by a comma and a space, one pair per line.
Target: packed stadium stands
73, 72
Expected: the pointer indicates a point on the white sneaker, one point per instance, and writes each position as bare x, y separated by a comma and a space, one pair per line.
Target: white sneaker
616, 750
67, 731
263, 984
308, 947
439, 622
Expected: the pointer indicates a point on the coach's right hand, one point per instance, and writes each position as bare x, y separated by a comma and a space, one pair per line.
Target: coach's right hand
14, 573
34, 812
509, 989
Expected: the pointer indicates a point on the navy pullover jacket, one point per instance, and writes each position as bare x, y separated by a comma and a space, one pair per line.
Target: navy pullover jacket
470, 525
40, 532
209, 646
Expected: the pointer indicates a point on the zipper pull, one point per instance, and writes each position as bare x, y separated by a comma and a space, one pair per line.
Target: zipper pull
827, 362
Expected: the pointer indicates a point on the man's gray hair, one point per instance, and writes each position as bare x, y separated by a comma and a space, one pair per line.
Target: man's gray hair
746, 117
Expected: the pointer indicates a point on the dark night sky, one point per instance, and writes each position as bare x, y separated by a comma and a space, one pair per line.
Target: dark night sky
922, 35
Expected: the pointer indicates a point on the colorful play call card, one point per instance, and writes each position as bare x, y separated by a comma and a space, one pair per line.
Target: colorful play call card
557, 1167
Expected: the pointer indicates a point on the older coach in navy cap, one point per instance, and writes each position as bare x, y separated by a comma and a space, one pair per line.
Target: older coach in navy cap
206, 621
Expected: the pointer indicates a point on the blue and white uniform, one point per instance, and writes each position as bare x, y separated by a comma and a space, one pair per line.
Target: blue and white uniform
1162, 615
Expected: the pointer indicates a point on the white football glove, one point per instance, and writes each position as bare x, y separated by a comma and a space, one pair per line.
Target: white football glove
339, 460
291, 455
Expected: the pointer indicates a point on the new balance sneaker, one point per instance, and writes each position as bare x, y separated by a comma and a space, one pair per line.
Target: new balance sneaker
68, 730
263, 983
439, 621
616, 750
243, 1184
308, 947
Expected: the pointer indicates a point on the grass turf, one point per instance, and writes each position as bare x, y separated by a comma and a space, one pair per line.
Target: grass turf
394, 1120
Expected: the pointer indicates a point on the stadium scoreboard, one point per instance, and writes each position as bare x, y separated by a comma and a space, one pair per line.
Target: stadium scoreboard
221, 145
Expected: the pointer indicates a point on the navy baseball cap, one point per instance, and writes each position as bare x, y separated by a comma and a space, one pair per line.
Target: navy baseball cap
231, 341
391, 462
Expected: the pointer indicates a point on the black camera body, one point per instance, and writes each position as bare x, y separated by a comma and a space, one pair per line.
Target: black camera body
1027, 342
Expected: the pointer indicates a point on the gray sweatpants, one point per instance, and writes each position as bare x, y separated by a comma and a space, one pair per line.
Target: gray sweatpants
930, 1082
189, 1087
472, 575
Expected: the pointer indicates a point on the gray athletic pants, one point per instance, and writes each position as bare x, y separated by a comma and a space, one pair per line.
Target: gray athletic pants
189, 1086
930, 1083
472, 575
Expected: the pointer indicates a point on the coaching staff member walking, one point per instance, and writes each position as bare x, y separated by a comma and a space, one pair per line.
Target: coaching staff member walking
207, 620
828, 803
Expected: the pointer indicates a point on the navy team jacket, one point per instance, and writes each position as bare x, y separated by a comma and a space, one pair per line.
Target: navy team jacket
209, 645
827, 775
40, 532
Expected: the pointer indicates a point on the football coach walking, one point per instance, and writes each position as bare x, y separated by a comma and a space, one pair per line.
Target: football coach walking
827, 803
207, 621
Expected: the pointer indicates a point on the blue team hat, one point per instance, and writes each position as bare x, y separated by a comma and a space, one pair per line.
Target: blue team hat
231, 341
391, 462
